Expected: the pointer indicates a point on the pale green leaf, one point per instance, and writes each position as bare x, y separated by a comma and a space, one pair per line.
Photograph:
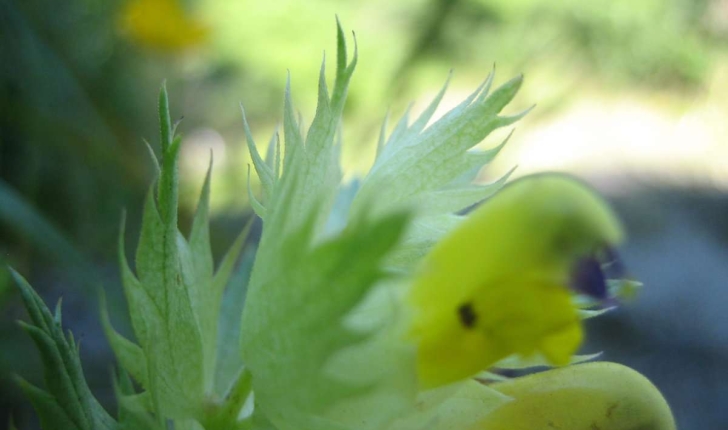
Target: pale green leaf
197, 272
165, 121
291, 331
421, 235
456, 199
133, 407
382, 364
130, 355
173, 346
311, 172
431, 159
257, 206
264, 171
455, 406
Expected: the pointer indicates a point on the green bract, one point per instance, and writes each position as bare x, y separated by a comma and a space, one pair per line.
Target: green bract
320, 341
313, 368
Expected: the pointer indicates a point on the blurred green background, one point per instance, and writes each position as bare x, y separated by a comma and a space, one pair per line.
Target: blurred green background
630, 95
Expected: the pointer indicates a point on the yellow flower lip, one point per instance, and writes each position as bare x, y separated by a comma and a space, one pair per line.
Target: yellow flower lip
498, 284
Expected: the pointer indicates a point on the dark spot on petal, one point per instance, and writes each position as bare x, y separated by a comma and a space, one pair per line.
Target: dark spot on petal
467, 315
588, 278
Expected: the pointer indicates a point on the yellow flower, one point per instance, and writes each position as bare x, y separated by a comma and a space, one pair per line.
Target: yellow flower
161, 24
499, 283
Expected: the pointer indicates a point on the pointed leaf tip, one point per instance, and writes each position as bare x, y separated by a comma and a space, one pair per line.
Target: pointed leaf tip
153, 156
340, 47
264, 171
165, 121
257, 206
355, 57
57, 312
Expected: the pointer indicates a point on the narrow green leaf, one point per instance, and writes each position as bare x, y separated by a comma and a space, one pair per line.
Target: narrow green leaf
265, 173
165, 122
199, 241
341, 56
57, 317
456, 199
257, 206
503, 95
64, 379
52, 416
197, 267
277, 160
382, 135
486, 86
168, 194
273, 155
321, 134
60, 383
153, 156
291, 128
130, 355
343, 71
322, 103
133, 408
137, 299
39, 313
400, 129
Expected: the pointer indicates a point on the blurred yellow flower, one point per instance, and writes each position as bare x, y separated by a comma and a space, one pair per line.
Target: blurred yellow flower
161, 24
